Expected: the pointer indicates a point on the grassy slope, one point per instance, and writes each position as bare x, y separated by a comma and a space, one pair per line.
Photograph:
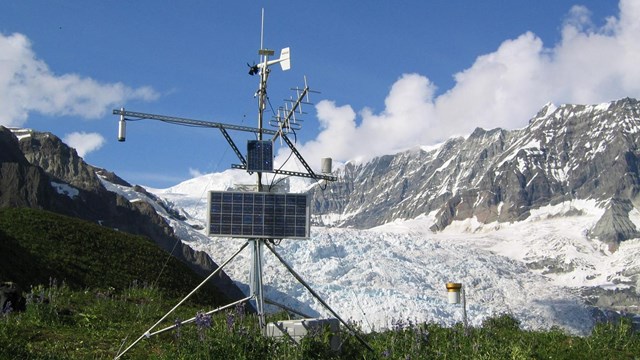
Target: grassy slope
37, 246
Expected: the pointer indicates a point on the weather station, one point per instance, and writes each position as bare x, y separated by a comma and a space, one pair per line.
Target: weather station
262, 217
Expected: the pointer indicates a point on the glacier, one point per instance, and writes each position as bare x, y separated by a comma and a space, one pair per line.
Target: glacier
398, 271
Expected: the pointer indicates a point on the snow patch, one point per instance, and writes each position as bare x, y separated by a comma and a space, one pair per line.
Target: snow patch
21, 133
602, 107
65, 189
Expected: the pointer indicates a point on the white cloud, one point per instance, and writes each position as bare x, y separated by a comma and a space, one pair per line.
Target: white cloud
504, 88
27, 85
84, 143
138, 177
195, 172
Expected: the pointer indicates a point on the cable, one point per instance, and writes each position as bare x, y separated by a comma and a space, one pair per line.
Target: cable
282, 178
271, 106
295, 140
204, 190
155, 283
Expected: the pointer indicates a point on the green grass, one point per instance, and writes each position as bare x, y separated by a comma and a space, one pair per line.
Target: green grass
89, 324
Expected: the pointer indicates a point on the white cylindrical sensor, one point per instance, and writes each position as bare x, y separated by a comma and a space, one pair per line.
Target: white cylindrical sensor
325, 165
453, 291
122, 129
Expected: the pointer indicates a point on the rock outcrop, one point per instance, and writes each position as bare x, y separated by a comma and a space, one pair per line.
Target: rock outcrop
40, 171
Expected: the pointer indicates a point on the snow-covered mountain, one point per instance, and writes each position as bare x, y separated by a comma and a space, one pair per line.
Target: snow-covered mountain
539, 222
565, 153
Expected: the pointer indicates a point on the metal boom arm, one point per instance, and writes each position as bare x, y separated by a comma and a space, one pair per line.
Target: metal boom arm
133, 115
192, 122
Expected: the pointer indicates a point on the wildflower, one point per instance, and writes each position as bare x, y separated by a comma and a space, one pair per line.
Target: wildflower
178, 325
203, 320
386, 353
29, 298
398, 325
240, 311
7, 309
53, 287
230, 320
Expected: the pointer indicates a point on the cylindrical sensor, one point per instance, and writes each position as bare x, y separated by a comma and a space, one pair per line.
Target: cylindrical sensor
325, 165
122, 128
453, 290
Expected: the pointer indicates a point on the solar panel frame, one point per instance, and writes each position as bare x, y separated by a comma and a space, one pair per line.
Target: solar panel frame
258, 215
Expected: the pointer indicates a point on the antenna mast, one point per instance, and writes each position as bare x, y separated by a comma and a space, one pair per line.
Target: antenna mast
262, 89
257, 245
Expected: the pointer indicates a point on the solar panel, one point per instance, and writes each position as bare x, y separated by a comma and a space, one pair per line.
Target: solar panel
258, 215
259, 155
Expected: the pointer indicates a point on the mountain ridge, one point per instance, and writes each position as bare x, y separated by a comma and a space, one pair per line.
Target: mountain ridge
565, 152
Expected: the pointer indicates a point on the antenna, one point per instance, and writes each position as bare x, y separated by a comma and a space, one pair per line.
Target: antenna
289, 120
262, 30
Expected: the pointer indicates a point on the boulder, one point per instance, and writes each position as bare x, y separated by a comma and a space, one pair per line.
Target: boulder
11, 298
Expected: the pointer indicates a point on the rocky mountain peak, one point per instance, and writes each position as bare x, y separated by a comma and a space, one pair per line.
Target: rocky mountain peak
566, 152
59, 160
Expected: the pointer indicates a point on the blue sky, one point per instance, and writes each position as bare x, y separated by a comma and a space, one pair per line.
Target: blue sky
392, 74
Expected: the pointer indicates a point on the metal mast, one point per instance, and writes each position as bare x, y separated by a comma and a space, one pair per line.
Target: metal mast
257, 245
262, 89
